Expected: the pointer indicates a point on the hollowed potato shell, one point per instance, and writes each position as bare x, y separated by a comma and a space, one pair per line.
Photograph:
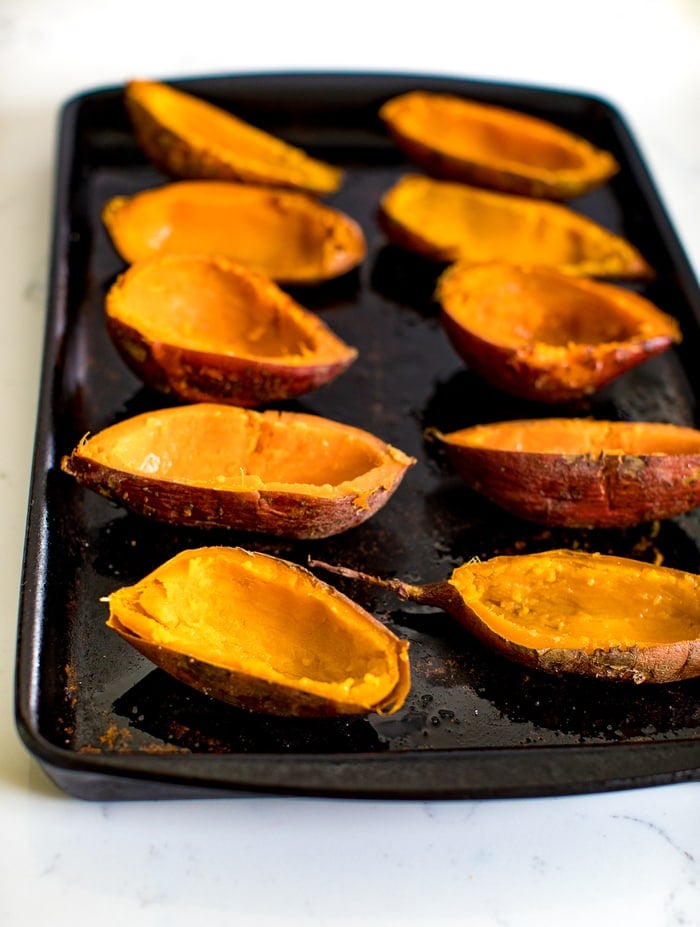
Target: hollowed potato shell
447, 221
581, 473
207, 329
568, 611
541, 334
213, 465
286, 235
262, 634
598, 615
492, 146
187, 137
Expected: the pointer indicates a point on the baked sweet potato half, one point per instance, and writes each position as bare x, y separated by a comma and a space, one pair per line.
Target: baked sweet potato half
541, 334
287, 235
213, 465
580, 473
493, 146
447, 221
189, 138
262, 634
207, 329
567, 611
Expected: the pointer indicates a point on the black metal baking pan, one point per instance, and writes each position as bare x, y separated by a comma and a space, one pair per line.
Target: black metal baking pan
105, 724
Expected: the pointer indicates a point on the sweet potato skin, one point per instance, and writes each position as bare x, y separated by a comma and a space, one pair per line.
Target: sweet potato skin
157, 311
281, 514
243, 690
195, 465
199, 376
522, 372
585, 490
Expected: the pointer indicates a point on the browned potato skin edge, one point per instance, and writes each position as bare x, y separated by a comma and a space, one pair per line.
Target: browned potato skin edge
512, 371
199, 376
283, 514
582, 491
658, 664
439, 164
251, 693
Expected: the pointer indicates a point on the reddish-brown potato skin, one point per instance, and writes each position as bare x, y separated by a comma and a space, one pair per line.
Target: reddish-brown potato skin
658, 664
582, 490
515, 373
461, 170
661, 664
199, 376
241, 690
283, 514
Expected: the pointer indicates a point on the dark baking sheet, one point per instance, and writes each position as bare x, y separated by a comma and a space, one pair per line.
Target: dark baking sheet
105, 724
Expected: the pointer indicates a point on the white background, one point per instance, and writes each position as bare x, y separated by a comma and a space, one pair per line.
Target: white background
626, 857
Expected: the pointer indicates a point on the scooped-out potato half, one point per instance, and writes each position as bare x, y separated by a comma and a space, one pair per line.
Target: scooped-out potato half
580, 473
262, 634
571, 612
540, 334
287, 235
207, 329
288, 474
446, 221
189, 138
493, 146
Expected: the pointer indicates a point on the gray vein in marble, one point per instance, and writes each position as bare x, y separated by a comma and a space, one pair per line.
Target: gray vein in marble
660, 832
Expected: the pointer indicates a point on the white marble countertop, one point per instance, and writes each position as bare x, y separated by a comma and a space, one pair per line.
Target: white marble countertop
630, 856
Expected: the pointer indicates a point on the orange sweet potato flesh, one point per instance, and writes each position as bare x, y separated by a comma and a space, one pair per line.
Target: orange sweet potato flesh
189, 138
262, 634
287, 235
447, 221
287, 474
544, 335
207, 329
581, 473
492, 146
